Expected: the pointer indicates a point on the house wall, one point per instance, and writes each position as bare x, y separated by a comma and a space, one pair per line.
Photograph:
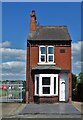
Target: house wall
34, 57
62, 60
33, 62
48, 99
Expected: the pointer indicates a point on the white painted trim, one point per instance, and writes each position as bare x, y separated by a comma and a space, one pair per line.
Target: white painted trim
40, 87
48, 63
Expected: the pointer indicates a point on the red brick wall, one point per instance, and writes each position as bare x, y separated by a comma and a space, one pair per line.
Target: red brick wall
62, 60
34, 58
49, 99
33, 62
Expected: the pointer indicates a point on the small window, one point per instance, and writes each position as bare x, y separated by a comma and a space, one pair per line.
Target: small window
46, 90
62, 50
50, 50
50, 58
42, 49
45, 80
42, 58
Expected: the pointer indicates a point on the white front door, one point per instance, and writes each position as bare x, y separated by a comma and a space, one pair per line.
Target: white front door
62, 91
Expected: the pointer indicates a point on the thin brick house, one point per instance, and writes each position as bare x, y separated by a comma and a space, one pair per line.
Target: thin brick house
48, 64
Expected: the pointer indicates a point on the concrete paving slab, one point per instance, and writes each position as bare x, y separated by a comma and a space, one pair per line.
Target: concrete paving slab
61, 108
9, 109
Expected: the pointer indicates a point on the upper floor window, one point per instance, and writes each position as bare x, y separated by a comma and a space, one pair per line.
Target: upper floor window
50, 55
42, 54
46, 54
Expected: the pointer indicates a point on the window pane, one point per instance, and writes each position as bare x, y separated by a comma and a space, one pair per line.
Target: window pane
37, 86
50, 50
45, 80
50, 58
43, 50
42, 58
54, 85
46, 90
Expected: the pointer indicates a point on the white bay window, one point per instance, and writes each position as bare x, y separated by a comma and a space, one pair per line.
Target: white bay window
46, 85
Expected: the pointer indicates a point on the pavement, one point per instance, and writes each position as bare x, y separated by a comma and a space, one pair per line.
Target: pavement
10, 109
78, 106
60, 108
57, 110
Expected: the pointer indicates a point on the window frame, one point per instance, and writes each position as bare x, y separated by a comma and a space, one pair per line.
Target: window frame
42, 54
43, 86
50, 54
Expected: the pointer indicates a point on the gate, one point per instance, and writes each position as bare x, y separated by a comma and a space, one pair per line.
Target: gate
11, 92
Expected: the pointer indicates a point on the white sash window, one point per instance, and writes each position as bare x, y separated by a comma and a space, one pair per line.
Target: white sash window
50, 55
46, 54
42, 54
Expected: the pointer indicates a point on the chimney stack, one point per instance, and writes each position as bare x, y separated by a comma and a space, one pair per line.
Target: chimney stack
33, 21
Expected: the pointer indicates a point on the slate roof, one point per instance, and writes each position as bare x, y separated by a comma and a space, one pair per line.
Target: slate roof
46, 67
50, 33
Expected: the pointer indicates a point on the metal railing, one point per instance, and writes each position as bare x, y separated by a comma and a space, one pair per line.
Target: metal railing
11, 92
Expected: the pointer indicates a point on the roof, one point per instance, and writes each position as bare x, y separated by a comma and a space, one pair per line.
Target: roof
50, 33
46, 67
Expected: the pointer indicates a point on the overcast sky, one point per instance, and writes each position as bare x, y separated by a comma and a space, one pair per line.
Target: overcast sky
16, 20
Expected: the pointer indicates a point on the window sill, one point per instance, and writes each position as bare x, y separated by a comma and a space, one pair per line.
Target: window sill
50, 63
47, 95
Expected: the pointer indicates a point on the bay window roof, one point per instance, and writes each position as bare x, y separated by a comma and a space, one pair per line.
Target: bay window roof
46, 67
